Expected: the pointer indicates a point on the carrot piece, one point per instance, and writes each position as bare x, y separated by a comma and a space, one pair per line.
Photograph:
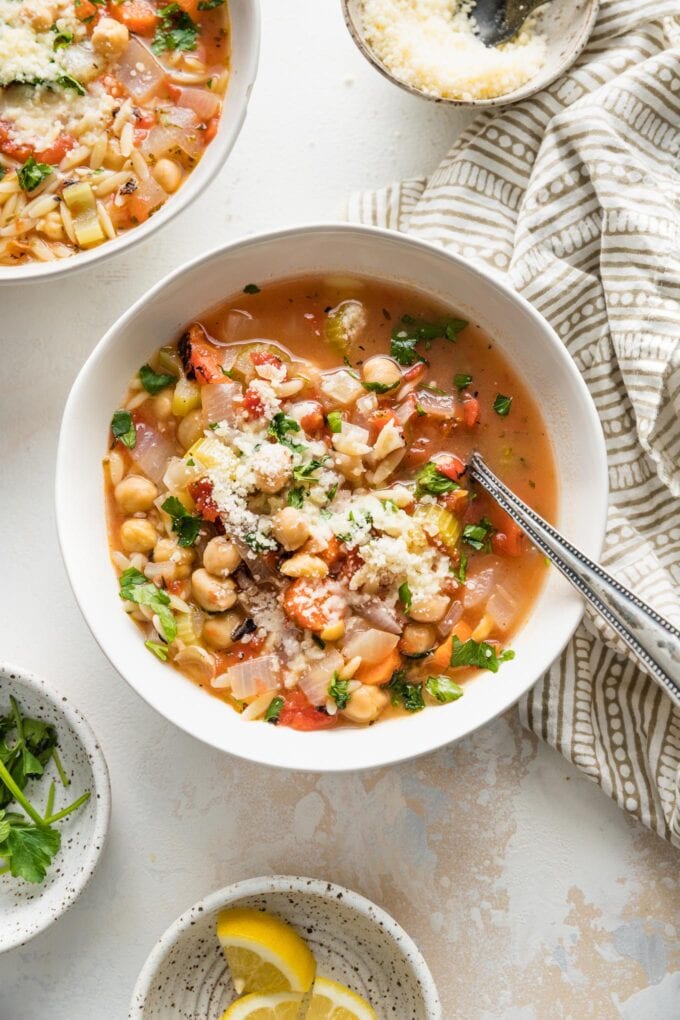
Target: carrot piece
84, 10
138, 16
190, 7
211, 129
378, 672
308, 603
470, 412
442, 657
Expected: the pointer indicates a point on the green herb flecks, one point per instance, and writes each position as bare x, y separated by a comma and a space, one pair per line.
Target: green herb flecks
185, 525
296, 497
177, 31
250, 288
154, 382
405, 596
274, 710
443, 689
123, 429
134, 587
411, 332
402, 692
280, 426
339, 691
63, 38
479, 535
462, 380
502, 405
32, 174
433, 481
67, 81
479, 654
334, 419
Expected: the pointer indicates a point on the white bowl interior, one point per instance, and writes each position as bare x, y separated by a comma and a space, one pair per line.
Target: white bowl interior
352, 939
526, 340
566, 27
28, 909
245, 46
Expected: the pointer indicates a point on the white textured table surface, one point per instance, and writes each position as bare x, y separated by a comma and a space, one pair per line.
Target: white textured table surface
530, 894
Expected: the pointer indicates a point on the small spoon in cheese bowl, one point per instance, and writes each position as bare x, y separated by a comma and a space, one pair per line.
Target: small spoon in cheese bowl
653, 640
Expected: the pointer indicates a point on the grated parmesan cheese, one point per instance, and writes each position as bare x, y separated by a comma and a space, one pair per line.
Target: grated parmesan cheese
432, 46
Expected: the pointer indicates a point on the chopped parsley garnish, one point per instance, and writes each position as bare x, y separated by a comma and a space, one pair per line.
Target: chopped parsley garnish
402, 692
479, 654
176, 31
431, 479
210, 5
134, 587
31, 174
304, 471
330, 493
339, 691
443, 688
461, 573
67, 81
296, 497
185, 525
461, 380
123, 429
502, 405
377, 387
334, 419
258, 542
280, 426
411, 331
159, 650
420, 410
250, 288
274, 711
154, 382
405, 596
479, 535
63, 38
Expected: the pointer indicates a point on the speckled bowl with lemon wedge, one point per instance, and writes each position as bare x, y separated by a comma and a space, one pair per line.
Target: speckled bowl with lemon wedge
353, 941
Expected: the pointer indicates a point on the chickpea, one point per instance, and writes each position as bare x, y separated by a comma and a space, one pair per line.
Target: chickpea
218, 630
211, 593
168, 549
168, 174
221, 557
197, 663
137, 535
162, 404
190, 428
290, 528
417, 639
272, 467
135, 494
365, 704
381, 371
429, 610
109, 37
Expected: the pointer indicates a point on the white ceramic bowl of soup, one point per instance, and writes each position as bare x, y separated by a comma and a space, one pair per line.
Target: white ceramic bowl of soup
244, 18
523, 336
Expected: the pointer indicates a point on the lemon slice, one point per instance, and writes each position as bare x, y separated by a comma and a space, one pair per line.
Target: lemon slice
264, 953
333, 1001
277, 1006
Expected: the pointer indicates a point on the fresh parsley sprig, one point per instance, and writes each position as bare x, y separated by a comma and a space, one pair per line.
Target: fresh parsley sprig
411, 332
177, 31
433, 481
185, 525
478, 653
134, 587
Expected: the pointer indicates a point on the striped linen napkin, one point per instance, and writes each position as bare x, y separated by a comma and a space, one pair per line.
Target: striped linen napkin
573, 196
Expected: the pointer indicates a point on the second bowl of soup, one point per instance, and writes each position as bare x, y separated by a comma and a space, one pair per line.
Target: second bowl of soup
300, 570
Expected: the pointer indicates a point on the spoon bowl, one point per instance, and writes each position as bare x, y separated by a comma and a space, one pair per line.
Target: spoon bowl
499, 20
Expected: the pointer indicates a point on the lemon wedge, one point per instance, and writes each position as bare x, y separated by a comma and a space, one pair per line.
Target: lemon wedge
333, 1001
264, 953
277, 1006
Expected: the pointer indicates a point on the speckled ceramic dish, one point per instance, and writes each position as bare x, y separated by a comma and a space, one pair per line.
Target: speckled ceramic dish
26, 910
565, 24
353, 940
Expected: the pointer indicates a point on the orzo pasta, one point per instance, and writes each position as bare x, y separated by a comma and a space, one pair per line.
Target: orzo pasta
105, 108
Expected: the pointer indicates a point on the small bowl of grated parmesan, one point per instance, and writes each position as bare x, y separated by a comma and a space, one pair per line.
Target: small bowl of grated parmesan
432, 48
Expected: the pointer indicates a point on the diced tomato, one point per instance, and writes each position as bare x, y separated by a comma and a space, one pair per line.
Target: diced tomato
200, 360
265, 358
313, 421
138, 16
470, 412
201, 493
415, 372
176, 586
419, 451
457, 501
84, 10
53, 154
211, 129
510, 540
252, 403
300, 715
453, 467
310, 603
378, 420
190, 7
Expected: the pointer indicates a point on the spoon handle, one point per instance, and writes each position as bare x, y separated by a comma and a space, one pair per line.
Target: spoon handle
654, 641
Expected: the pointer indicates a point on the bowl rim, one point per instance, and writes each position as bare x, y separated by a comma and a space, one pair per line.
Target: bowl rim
597, 510
101, 796
261, 885
523, 92
215, 156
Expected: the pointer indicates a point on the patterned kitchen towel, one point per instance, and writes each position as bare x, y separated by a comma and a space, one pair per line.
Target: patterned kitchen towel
573, 196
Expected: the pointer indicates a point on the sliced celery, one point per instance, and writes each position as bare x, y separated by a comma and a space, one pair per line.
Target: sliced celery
187, 397
436, 520
82, 204
169, 360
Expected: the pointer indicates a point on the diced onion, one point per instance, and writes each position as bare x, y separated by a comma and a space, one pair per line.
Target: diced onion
314, 684
503, 607
377, 612
219, 400
205, 104
438, 405
180, 117
478, 587
371, 645
166, 141
250, 678
152, 451
141, 82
